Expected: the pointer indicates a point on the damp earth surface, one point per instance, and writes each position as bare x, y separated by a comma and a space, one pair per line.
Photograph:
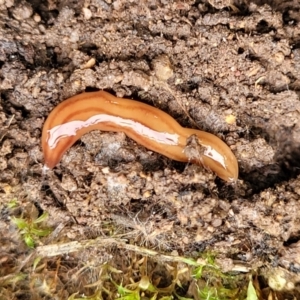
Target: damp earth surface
231, 68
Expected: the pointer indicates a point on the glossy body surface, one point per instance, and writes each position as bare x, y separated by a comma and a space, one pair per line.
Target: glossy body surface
147, 125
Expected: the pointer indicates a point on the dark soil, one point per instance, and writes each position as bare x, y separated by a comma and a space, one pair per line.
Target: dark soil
230, 68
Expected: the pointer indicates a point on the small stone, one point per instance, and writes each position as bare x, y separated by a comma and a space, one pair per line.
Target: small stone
22, 12
277, 281
87, 13
162, 67
37, 18
89, 64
